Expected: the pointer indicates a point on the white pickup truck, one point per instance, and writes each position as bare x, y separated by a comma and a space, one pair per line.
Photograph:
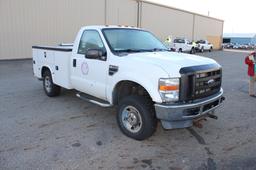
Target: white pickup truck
203, 45
130, 68
183, 45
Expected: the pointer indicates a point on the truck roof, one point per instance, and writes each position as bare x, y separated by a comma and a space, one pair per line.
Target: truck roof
110, 26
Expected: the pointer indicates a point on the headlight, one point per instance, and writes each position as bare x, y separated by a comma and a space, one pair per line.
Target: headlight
169, 89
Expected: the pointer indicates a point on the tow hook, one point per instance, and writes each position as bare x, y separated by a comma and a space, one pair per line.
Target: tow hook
212, 116
198, 123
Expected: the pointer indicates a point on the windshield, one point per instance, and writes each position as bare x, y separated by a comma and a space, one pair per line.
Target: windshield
132, 40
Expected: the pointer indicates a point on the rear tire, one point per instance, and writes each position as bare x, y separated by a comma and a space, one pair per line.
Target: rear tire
136, 117
210, 49
50, 88
202, 50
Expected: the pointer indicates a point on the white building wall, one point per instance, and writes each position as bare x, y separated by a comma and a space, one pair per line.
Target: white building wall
24, 23
164, 21
122, 12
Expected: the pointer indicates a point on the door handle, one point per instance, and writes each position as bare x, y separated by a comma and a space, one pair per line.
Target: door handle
74, 62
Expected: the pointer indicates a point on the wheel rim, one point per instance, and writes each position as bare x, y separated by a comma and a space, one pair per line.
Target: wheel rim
131, 119
47, 83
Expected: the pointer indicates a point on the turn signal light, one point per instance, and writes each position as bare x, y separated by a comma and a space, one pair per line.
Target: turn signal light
168, 88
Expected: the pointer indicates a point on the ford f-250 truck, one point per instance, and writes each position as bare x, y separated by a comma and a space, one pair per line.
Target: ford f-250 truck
130, 68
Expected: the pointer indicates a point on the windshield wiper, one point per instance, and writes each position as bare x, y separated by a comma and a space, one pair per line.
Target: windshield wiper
159, 49
129, 51
140, 50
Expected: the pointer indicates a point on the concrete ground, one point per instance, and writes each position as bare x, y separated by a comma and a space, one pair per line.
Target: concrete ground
38, 132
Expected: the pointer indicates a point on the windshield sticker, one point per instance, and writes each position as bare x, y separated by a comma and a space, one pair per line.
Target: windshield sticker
84, 68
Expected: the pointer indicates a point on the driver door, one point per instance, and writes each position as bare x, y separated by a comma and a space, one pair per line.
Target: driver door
89, 75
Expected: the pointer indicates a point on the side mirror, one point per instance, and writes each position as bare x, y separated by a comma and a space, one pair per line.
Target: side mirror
96, 54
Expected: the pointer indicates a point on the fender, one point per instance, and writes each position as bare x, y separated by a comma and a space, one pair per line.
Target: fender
149, 84
51, 70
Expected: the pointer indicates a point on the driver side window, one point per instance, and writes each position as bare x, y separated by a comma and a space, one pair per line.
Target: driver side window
90, 40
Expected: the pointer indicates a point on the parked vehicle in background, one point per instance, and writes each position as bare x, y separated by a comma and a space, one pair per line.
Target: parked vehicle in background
183, 45
251, 46
227, 45
244, 46
204, 45
131, 69
238, 46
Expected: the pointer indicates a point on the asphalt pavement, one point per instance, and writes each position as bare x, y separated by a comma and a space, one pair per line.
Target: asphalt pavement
38, 132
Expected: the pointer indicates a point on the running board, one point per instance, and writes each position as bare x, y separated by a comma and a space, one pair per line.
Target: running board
93, 100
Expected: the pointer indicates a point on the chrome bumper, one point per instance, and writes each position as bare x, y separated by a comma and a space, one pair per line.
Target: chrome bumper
182, 115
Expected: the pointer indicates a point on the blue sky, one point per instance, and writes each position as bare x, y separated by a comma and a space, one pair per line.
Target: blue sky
239, 16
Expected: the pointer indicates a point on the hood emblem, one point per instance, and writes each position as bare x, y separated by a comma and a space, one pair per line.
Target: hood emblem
210, 81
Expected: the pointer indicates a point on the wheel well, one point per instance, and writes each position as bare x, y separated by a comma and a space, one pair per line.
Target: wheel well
127, 88
44, 69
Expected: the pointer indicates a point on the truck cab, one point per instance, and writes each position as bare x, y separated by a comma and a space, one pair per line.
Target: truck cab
131, 69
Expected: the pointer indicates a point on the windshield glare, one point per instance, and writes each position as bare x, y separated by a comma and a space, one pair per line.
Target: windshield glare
131, 40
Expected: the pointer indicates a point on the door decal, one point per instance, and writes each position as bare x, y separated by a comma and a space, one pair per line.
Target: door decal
84, 68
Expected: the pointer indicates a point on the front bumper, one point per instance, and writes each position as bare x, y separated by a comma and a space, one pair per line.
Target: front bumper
175, 116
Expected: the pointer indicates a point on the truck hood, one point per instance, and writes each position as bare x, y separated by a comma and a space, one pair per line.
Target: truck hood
170, 62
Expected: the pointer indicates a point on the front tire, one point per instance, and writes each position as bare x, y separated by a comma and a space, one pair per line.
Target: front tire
136, 117
50, 88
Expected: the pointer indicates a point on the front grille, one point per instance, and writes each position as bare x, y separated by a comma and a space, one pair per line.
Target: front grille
206, 84
200, 84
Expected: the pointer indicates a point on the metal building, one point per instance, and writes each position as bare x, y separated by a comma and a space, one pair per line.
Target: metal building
49, 22
242, 38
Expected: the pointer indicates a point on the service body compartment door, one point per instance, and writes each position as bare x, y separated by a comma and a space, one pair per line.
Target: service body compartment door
61, 74
36, 64
42, 57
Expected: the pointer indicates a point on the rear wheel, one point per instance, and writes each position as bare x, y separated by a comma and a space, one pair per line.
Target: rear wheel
180, 50
50, 88
136, 117
210, 49
202, 50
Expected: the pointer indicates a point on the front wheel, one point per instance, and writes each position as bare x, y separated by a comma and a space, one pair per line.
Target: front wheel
136, 117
